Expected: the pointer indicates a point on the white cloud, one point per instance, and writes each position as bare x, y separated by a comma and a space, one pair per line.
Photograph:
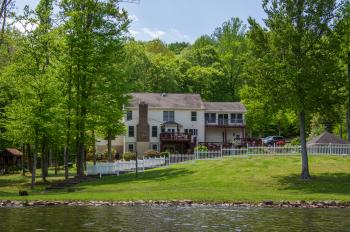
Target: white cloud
133, 18
153, 33
22, 25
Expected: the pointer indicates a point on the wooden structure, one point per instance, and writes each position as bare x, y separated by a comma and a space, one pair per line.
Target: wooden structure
10, 160
175, 142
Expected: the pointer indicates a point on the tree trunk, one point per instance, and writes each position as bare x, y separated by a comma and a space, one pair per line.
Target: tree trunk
348, 110
44, 160
341, 128
65, 160
35, 156
109, 147
94, 147
305, 175
22, 160
80, 159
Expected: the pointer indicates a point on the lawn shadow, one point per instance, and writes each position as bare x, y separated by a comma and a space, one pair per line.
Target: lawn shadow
155, 174
10, 181
338, 183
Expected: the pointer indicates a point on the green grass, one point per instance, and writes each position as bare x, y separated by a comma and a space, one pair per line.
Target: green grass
233, 179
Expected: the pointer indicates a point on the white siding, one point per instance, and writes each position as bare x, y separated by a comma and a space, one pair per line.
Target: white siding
215, 134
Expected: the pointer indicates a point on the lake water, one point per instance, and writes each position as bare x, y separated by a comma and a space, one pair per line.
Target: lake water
159, 218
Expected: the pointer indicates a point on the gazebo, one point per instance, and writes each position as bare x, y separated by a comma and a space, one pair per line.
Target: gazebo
327, 138
10, 159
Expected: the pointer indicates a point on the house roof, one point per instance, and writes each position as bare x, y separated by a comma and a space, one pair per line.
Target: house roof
13, 151
225, 107
167, 101
327, 137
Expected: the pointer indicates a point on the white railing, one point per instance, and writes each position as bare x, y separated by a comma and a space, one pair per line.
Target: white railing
128, 166
180, 158
202, 155
124, 166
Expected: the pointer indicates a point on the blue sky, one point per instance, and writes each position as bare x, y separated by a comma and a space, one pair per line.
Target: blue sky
181, 20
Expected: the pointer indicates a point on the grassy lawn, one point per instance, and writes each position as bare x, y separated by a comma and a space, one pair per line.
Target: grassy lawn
231, 179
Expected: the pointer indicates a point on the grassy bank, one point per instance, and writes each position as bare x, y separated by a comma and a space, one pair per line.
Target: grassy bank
232, 179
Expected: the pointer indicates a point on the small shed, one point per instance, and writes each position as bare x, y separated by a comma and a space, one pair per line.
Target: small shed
327, 138
10, 160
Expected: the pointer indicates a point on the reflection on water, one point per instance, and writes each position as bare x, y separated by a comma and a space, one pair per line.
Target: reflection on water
145, 218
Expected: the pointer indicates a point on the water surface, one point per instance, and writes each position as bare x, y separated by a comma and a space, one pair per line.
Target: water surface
160, 218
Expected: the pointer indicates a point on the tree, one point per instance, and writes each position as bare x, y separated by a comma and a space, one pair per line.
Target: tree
95, 31
294, 67
231, 45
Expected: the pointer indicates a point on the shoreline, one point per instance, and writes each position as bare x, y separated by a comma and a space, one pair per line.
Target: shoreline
181, 203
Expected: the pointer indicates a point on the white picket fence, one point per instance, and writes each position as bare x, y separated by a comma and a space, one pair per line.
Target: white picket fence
124, 166
128, 166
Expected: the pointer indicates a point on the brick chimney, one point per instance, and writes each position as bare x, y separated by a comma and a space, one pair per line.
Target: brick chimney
142, 126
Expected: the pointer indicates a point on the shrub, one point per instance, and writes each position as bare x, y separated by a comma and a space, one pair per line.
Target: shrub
151, 153
127, 156
295, 141
165, 154
201, 148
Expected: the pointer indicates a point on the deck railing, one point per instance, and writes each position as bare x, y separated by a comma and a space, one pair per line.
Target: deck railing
167, 136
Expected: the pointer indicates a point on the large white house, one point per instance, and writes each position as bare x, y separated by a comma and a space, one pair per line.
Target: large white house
178, 122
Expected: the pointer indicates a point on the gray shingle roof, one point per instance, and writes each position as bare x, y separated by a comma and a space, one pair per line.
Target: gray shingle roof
182, 101
327, 137
225, 107
167, 101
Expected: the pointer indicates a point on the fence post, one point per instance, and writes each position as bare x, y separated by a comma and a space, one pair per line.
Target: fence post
221, 152
143, 163
274, 148
330, 148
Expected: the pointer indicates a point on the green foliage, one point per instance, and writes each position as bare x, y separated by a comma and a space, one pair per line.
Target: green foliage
295, 141
127, 156
164, 154
201, 148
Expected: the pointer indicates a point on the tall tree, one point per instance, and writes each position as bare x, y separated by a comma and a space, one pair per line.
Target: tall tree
231, 44
294, 66
94, 32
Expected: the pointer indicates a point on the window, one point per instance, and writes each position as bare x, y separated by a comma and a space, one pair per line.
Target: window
155, 147
168, 116
129, 115
236, 118
191, 131
210, 117
131, 147
131, 131
154, 131
240, 118
193, 116
233, 118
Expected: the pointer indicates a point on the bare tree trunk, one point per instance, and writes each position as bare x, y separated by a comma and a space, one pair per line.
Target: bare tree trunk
35, 156
22, 160
109, 147
94, 147
44, 160
341, 127
65, 161
305, 175
348, 107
